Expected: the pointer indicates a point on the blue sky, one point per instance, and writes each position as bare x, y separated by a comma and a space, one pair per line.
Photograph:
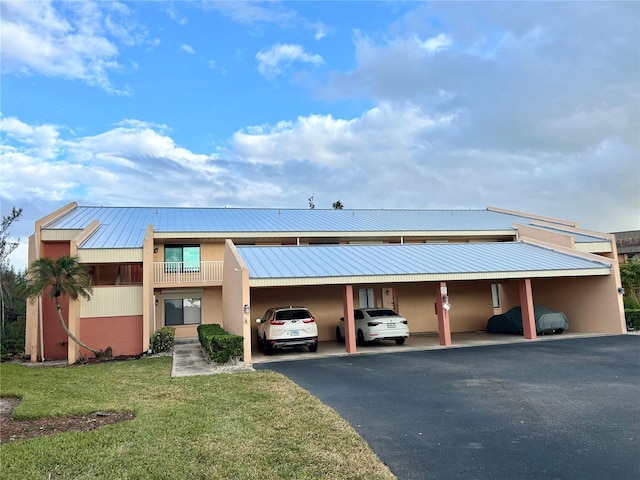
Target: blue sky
530, 106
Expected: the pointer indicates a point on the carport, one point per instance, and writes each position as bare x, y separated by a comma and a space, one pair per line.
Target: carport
440, 282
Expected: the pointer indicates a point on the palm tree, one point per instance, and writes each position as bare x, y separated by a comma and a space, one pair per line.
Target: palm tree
64, 276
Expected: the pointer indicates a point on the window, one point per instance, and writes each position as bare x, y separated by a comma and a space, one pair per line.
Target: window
182, 258
366, 298
495, 295
182, 311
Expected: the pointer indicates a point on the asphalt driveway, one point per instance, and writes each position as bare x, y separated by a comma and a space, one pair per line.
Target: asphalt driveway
562, 409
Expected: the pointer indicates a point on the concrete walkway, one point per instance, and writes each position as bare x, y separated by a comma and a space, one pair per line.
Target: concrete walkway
189, 360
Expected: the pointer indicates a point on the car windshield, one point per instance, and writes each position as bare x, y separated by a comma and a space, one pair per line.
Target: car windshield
297, 314
382, 313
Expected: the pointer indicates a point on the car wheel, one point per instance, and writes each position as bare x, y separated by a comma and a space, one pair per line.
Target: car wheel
268, 349
339, 337
313, 347
360, 338
260, 344
399, 341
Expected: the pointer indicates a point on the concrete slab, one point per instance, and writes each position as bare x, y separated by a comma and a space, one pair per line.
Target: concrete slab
190, 360
415, 342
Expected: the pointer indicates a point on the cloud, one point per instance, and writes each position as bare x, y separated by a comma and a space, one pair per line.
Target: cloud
280, 57
78, 40
187, 48
523, 78
434, 44
173, 14
254, 14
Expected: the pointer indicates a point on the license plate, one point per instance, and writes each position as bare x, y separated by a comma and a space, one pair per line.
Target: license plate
391, 325
294, 333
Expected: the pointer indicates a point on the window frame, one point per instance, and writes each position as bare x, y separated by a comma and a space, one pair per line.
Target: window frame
182, 300
170, 265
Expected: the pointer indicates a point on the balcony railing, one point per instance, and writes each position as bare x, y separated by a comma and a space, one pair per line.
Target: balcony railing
187, 272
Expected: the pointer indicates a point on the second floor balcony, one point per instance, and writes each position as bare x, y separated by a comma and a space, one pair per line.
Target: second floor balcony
189, 273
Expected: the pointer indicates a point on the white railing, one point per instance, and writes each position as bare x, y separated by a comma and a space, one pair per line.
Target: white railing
181, 272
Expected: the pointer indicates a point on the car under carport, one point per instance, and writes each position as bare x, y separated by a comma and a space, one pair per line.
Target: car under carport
428, 278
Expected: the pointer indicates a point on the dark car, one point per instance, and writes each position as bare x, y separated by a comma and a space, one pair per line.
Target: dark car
547, 321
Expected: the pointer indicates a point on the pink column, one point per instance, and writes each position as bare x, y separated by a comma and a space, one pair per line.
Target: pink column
444, 326
526, 305
349, 322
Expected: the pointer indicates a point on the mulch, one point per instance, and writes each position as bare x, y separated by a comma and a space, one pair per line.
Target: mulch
13, 430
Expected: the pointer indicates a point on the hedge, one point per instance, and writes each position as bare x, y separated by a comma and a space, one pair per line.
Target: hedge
633, 319
219, 345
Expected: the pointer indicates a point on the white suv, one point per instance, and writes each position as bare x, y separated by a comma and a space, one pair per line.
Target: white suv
287, 327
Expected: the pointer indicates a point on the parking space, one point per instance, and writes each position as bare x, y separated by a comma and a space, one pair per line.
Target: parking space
415, 342
566, 408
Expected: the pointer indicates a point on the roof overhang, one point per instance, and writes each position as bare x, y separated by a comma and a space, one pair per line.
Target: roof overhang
362, 264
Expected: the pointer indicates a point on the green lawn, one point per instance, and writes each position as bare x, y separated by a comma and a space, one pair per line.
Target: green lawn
239, 426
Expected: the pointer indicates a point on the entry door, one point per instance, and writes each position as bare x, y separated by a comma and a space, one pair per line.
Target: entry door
389, 299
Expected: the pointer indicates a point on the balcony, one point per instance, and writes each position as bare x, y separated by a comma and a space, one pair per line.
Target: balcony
187, 274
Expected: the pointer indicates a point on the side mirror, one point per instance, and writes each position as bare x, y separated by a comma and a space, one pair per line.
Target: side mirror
258, 320
342, 319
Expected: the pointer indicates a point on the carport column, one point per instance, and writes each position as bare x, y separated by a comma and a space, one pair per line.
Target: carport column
349, 322
444, 326
526, 304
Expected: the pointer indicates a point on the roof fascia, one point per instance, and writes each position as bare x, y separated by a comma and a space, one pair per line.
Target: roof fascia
569, 251
438, 277
559, 238
52, 217
327, 233
553, 220
583, 231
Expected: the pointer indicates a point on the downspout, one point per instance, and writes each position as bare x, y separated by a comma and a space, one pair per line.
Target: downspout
154, 314
40, 322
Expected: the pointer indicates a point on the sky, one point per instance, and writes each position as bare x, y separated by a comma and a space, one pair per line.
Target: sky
527, 106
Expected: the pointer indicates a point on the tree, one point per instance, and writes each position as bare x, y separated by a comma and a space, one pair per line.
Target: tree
6, 248
337, 205
62, 276
311, 204
630, 276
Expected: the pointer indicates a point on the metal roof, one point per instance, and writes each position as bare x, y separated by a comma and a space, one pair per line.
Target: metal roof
124, 227
411, 262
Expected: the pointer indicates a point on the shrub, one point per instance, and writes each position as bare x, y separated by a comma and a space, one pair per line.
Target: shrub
633, 319
162, 340
219, 345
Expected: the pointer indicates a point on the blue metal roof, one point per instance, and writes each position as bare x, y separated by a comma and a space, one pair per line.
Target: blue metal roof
408, 259
124, 227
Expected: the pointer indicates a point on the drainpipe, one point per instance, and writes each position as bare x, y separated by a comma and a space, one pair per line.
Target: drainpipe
154, 313
40, 326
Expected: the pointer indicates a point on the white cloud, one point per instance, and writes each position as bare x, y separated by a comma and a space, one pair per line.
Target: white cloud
38, 38
173, 14
187, 48
280, 57
435, 44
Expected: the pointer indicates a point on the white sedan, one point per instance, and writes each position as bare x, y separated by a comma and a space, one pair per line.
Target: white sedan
373, 324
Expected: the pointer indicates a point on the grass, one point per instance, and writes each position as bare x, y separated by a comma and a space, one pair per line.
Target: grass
240, 426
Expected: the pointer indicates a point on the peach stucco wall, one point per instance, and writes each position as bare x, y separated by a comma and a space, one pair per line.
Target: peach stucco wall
235, 295
122, 334
211, 308
209, 251
55, 339
323, 301
590, 303
415, 301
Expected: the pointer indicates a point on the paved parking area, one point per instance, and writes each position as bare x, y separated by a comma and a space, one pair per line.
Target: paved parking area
567, 409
